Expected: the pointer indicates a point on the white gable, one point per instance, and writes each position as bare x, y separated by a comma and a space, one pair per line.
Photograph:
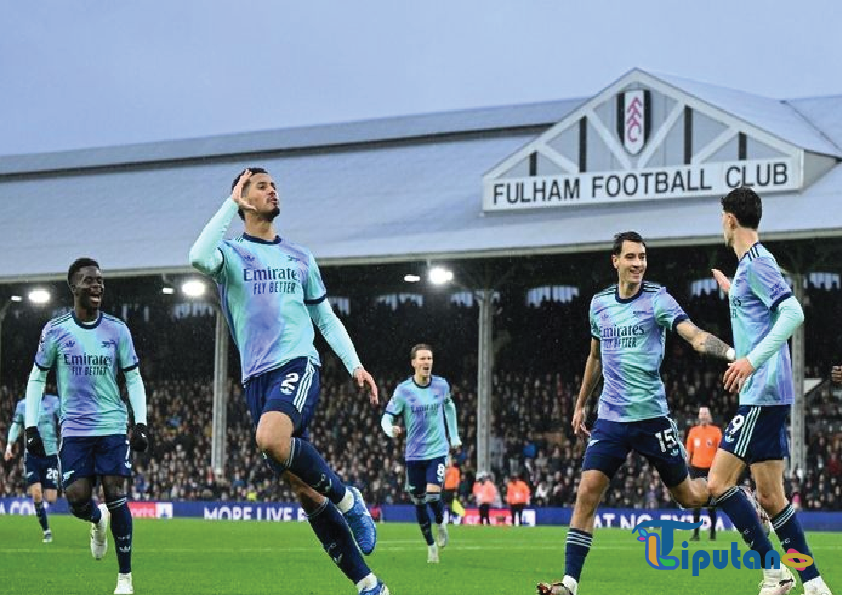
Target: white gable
640, 139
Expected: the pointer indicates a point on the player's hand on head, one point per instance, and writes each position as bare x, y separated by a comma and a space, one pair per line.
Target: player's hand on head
140, 438
723, 282
736, 375
237, 193
366, 381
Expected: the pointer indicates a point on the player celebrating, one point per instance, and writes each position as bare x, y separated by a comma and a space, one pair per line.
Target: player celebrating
425, 402
764, 314
271, 292
41, 472
628, 328
88, 349
702, 443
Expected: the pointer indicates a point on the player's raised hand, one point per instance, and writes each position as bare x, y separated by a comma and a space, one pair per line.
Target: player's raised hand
8, 455
723, 282
237, 193
736, 375
365, 380
579, 423
836, 374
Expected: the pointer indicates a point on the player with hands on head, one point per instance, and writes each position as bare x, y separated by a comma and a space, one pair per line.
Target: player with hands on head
272, 294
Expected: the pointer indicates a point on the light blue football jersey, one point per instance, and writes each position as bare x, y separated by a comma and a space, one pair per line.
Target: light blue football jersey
88, 357
265, 288
756, 290
47, 422
422, 409
632, 338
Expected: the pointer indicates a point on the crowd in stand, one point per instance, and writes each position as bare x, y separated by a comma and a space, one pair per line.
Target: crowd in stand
531, 408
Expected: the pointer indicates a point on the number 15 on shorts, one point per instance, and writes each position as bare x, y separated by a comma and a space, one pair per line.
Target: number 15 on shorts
666, 438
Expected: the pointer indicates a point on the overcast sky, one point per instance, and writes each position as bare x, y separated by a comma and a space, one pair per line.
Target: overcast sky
86, 73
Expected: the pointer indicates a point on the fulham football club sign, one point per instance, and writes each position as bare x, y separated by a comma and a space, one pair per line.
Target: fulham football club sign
633, 119
643, 139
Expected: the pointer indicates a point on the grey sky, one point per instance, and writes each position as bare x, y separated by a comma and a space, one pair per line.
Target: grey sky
88, 73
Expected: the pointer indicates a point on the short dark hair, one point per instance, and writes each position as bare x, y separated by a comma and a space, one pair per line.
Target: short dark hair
414, 351
77, 265
744, 204
622, 237
254, 170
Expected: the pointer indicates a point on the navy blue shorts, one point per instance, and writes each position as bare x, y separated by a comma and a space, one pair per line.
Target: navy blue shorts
757, 433
655, 439
292, 389
422, 472
43, 470
89, 457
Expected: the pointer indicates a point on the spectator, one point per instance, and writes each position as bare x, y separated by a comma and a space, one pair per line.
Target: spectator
517, 496
486, 494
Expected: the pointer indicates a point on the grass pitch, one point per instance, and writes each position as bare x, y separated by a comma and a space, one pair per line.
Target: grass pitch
223, 557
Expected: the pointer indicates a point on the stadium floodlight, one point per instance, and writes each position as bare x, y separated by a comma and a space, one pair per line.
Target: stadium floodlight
193, 288
39, 296
16, 298
439, 276
412, 278
168, 290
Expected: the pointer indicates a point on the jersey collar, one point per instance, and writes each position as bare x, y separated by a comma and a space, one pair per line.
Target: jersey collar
414, 382
750, 248
277, 239
630, 299
84, 325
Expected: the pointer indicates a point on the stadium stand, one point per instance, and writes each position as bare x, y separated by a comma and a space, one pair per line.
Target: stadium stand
534, 391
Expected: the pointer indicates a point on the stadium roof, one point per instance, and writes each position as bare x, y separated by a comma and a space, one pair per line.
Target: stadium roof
328, 136
386, 190
782, 118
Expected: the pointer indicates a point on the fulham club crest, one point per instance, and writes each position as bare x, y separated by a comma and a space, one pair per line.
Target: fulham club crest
633, 119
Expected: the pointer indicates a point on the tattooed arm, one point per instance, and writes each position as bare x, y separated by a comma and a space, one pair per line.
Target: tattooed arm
703, 342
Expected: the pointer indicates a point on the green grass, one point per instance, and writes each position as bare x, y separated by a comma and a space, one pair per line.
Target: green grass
221, 557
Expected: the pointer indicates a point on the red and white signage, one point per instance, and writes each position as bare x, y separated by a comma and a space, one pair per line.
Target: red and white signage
498, 517
151, 509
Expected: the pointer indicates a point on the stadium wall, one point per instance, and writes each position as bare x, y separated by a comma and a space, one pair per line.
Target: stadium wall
289, 512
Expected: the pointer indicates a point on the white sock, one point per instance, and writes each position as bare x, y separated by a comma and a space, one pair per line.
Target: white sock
347, 501
816, 581
367, 583
773, 573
